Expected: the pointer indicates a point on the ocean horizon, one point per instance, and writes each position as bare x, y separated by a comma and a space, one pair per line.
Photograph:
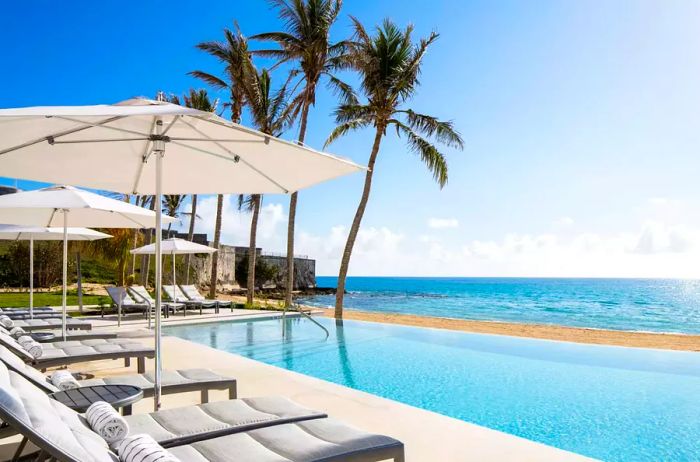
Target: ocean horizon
628, 304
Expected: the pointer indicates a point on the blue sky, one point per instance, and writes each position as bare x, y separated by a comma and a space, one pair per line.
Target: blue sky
580, 120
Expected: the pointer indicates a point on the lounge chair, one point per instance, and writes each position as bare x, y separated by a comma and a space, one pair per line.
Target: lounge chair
23, 313
78, 351
175, 294
215, 432
119, 295
190, 291
70, 335
178, 381
140, 294
31, 325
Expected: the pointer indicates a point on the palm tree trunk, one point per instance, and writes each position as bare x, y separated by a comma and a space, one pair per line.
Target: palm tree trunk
217, 237
292, 217
345, 262
146, 259
257, 200
190, 235
79, 274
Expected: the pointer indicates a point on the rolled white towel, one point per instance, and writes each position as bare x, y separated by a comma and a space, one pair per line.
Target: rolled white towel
143, 448
6, 321
106, 422
22, 339
17, 332
35, 349
64, 380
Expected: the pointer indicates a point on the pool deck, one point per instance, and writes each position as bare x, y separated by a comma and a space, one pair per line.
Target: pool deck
428, 436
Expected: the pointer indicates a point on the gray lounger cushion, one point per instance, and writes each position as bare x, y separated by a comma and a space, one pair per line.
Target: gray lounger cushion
52, 323
64, 434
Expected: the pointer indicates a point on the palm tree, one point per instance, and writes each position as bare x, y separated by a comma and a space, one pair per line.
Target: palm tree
306, 41
196, 99
389, 65
270, 115
171, 206
233, 53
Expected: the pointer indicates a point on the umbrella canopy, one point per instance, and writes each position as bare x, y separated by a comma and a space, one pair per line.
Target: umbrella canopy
36, 233
42, 207
205, 154
174, 246
141, 146
31, 234
53, 205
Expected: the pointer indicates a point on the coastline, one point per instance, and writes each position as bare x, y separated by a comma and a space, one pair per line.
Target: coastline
665, 341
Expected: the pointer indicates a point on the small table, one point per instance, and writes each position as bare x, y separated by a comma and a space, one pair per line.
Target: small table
42, 336
119, 396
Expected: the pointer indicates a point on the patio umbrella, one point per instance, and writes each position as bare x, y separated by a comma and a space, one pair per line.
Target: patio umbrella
52, 206
174, 246
141, 146
33, 233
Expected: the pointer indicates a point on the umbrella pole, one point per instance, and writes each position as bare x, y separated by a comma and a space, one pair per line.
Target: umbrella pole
31, 278
65, 270
158, 150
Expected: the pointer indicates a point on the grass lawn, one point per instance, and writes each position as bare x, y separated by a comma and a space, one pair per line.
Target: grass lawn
21, 299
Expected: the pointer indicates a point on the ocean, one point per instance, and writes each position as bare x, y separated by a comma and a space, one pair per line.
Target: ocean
654, 305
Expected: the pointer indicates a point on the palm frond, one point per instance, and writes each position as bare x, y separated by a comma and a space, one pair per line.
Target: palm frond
443, 131
344, 129
212, 80
429, 154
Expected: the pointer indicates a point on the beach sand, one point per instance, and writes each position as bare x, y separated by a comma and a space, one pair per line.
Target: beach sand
541, 331
569, 334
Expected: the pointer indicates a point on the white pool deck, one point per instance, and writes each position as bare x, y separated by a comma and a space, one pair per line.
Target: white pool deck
427, 436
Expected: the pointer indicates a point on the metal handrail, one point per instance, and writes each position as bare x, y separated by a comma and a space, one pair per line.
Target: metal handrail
300, 311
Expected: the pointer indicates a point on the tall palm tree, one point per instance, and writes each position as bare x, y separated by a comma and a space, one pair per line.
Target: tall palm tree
196, 99
306, 42
233, 53
270, 114
389, 65
171, 206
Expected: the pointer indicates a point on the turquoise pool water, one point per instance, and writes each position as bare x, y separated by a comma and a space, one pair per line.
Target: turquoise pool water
611, 403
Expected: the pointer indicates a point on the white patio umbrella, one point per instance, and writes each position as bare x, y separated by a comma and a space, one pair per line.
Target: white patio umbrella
142, 146
35, 233
174, 246
52, 206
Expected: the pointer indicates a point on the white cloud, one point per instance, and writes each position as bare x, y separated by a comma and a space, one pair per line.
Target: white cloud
442, 223
564, 221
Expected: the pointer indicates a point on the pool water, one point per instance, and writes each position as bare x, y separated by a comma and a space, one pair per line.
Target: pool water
610, 403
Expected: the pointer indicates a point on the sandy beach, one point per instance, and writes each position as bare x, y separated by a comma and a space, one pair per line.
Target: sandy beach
569, 334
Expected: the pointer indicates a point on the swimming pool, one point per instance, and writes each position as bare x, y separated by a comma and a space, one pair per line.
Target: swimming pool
611, 403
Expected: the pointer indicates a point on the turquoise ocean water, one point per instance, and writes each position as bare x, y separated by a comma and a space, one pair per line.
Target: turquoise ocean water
658, 305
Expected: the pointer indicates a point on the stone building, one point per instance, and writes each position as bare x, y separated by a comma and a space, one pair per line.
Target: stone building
229, 256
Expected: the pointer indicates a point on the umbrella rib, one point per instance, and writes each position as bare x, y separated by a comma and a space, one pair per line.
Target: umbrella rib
144, 158
237, 156
95, 124
170, 125
60, 134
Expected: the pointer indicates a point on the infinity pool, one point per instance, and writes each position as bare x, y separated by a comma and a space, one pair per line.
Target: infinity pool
610, 403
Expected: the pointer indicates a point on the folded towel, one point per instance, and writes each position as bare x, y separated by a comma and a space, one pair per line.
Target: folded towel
64, 380
6, 321
22, 339
17, 332
106, 422
34, 348
143, 448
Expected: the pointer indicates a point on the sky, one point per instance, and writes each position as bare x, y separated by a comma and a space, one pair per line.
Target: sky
580, 119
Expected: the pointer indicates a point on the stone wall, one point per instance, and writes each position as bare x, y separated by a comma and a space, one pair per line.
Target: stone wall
304, 269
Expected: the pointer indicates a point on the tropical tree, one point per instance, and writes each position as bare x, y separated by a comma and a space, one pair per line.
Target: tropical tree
233, 53
171, 206
305, 42
114, 249
271, 115
389, 64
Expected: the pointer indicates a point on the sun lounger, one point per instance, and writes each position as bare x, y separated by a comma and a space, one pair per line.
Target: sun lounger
175, 294
190, 291
77, 351
140, 294
119, 295
245, 430
178, 381
31, 325
70, 335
